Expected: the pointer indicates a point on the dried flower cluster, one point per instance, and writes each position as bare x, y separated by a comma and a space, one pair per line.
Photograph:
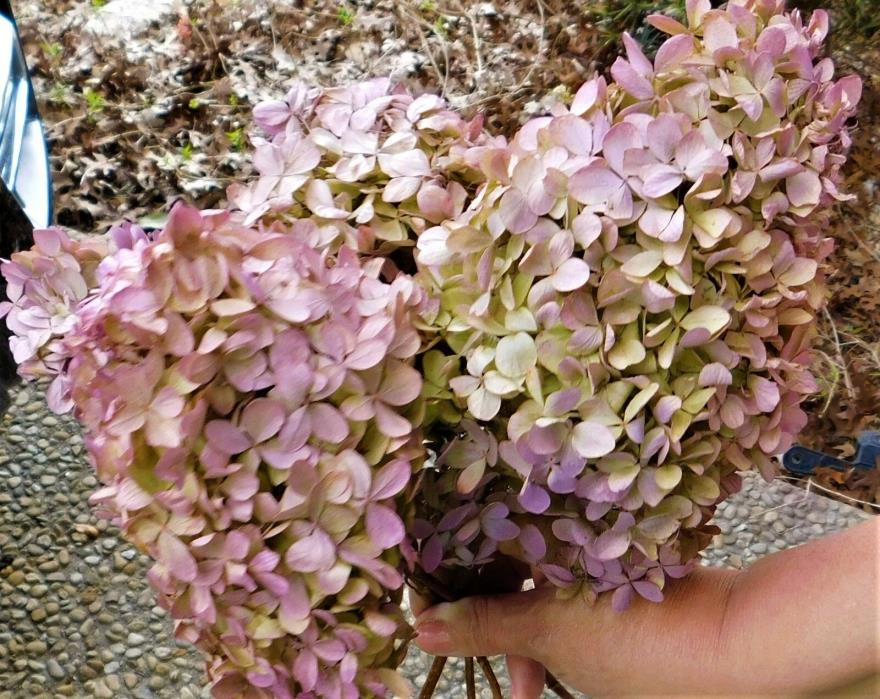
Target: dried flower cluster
251, 408
367, 166
632, 293
592, 327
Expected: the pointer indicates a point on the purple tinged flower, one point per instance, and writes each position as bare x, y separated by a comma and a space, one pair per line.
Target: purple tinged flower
692, 159
635, 73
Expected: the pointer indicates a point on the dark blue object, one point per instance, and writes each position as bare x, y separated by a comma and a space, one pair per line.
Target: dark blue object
804, 462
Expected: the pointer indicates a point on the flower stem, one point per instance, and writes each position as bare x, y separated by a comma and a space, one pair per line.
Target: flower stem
469, 678
556, 687
433, 677
490, 678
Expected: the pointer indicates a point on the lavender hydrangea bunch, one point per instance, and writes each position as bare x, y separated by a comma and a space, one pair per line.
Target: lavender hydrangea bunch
252, 410
409, 348
368, 166
626, 304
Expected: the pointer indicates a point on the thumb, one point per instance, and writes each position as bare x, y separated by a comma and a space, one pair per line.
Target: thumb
483, 626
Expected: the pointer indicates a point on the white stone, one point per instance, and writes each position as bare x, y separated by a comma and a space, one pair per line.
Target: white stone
124, 19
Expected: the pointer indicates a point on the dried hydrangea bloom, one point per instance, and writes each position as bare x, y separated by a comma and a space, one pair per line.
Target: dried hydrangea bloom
45, 285
368, 165
632, 295
612, 314
252, 411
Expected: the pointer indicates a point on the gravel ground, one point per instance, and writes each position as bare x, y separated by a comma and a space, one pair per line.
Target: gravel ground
77, 618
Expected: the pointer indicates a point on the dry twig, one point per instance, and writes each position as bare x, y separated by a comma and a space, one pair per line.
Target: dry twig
433, 677
556, 687
846, 377
469, 679
489, 673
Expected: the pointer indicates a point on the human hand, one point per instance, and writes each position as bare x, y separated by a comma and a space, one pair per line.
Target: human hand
586, 645
801, 620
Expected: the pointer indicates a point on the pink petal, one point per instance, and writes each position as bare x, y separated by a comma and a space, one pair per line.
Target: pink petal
546, 440
692, 152
563, 401
715, 375
131, 496
176, 556
630, 80
226, 437
390, 423
401, 384
595, 185
765, 393
319, 199
611, 544
384, 526
328, 423
570, 275
295, 605
775, 204
772, 41
242, 485
666, 407
592, 440
636, 57
312, 553
534, 499
500, 529
622, 598
779, 169
265, 561
663, 134
587, 95
262, 418
236, 545
515, 213
648, 590
666, 24
660, 180
391, 479
271, 116
657, 298
400, 189
533, 543
586, 228
804, 189
617, 141
673, 52
719, 33
435, 203
432, 554
305, 669
245, 374
411, 163
572, 132
559, 576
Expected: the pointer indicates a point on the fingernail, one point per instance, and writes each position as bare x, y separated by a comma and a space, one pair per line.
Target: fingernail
433, 636
432, 628
439, 612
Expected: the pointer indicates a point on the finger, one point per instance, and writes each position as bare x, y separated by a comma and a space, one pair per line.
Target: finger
493, 625
526, 677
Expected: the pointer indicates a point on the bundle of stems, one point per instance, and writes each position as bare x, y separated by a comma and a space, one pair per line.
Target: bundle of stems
434, 591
